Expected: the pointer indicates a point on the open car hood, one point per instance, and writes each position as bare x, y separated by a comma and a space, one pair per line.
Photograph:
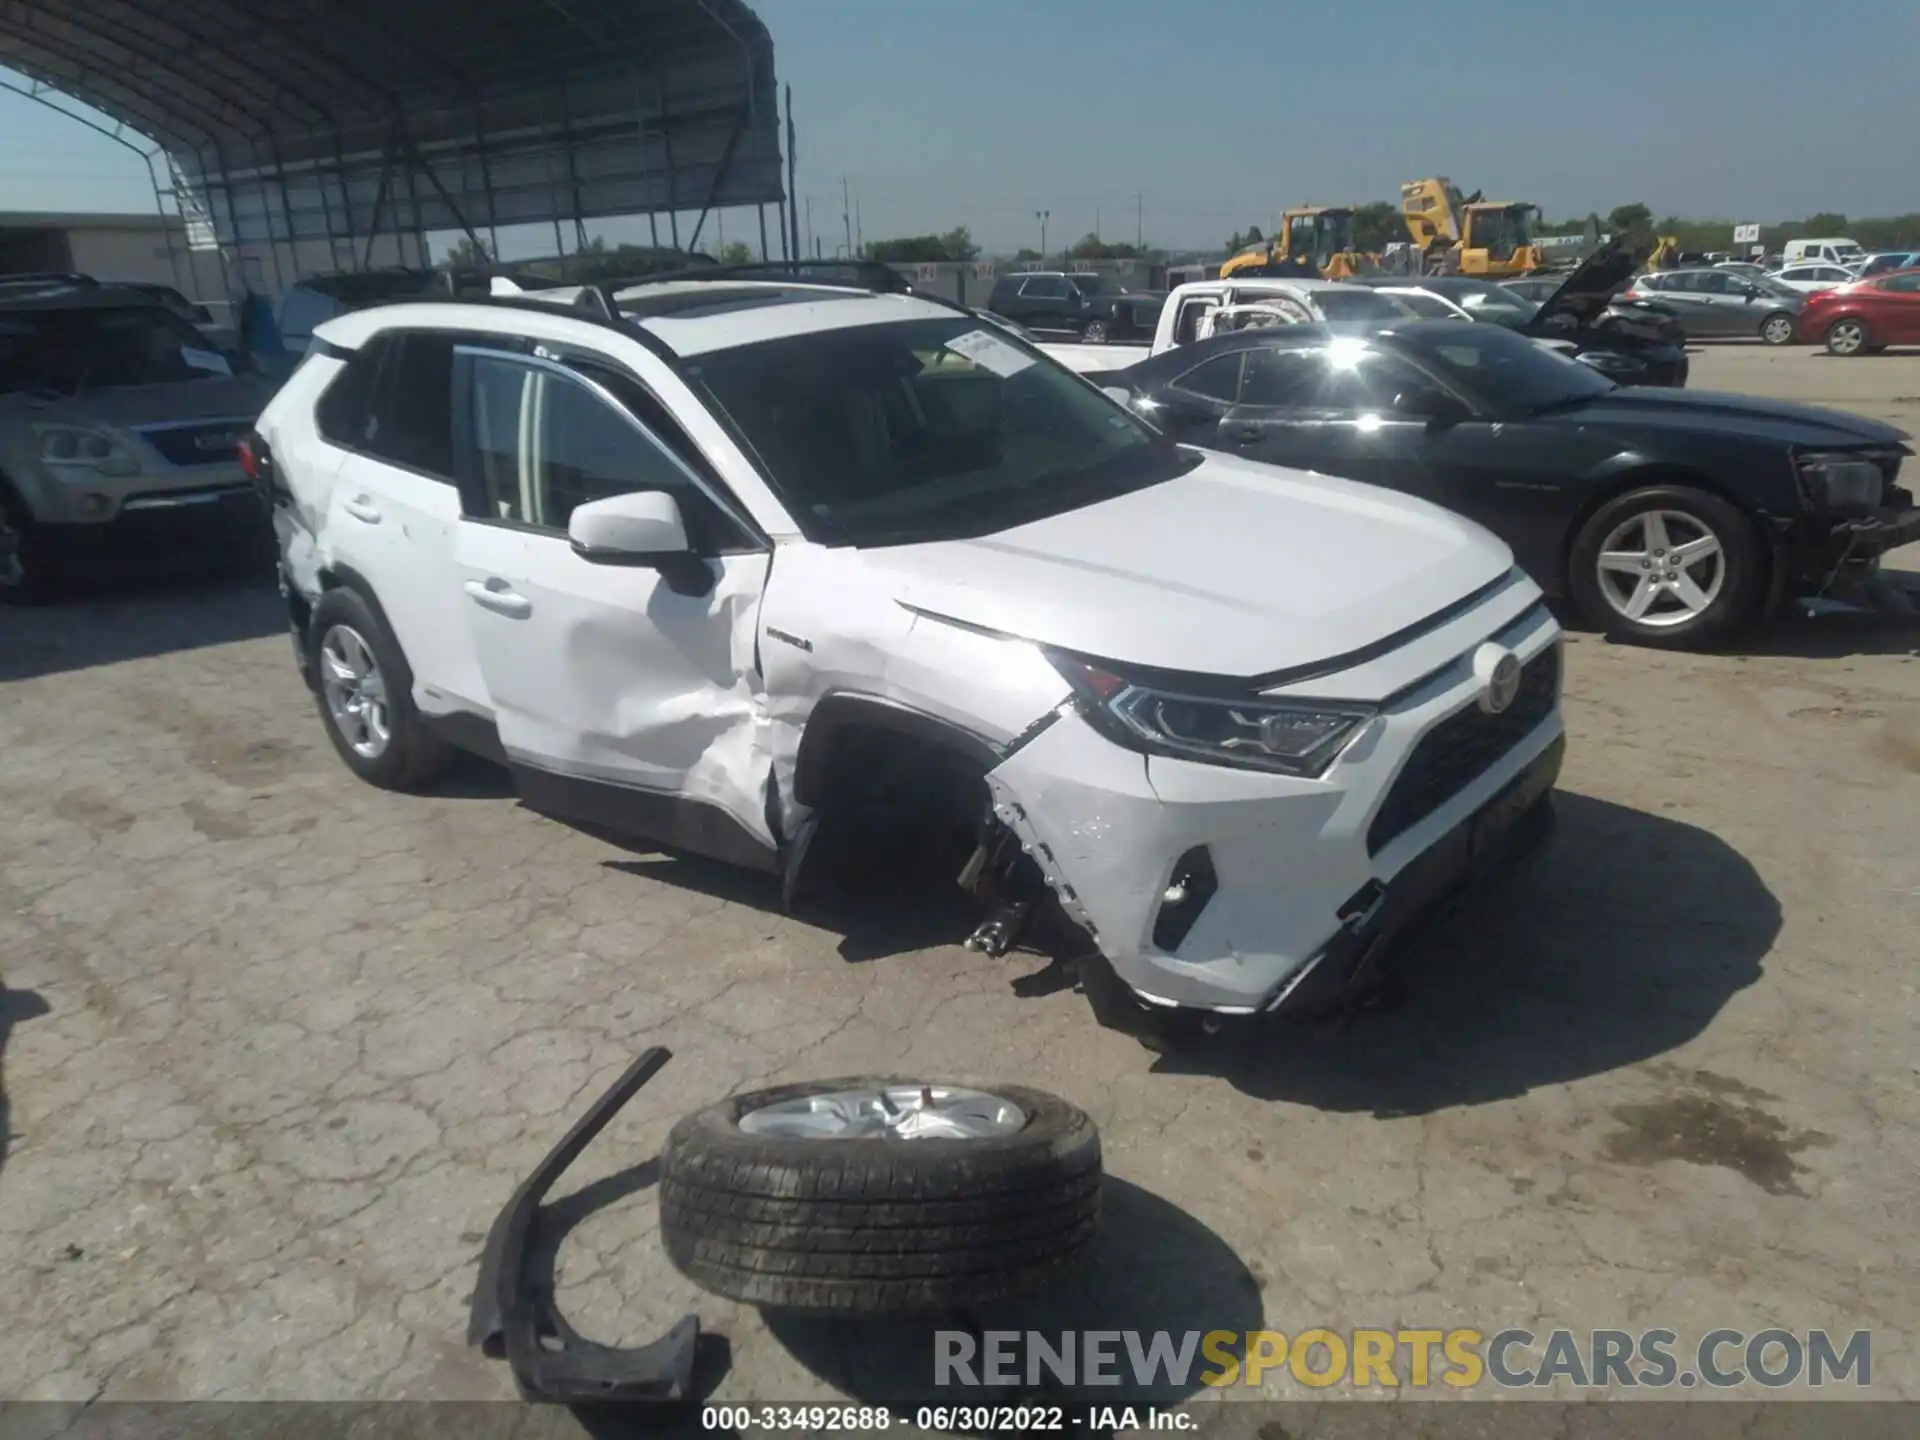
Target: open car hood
1583, 295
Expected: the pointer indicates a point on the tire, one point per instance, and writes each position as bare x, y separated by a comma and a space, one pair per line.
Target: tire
1094, 332
412, 755
1847, 337
1777, 328
881, 1225
1673, 620
23, 578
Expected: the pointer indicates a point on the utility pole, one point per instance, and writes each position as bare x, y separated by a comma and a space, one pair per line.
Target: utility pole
1043, 216
846, 214
1139, 221
1096, 222
813, 242
859, 235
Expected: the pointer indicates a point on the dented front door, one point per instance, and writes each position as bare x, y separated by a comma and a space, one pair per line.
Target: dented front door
623, 697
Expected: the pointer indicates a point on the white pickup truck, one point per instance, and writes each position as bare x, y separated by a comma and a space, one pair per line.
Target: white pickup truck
1191, 309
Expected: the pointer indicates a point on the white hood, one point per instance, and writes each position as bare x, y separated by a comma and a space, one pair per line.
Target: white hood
1234, 569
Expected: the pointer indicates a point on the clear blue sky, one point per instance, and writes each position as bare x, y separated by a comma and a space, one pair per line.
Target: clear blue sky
1217, 113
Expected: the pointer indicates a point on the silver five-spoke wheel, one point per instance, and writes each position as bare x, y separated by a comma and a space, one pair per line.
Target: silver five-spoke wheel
900, 1112
1661, 568
355, 691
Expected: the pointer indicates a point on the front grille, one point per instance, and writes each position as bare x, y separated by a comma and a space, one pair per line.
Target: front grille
1462, 748
214, 443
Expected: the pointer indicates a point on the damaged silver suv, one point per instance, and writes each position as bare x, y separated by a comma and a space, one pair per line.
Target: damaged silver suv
713, 560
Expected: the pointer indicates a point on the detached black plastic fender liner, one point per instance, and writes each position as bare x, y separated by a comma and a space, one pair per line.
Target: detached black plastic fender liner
513, 1314
877, 1225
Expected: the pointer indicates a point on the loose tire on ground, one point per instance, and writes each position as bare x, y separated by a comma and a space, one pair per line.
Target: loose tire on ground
1735, 603
413, 755
877, 1225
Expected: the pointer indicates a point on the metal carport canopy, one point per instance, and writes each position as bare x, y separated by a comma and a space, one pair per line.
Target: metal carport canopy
336, 120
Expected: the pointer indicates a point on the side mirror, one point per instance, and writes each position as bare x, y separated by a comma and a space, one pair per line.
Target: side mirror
641, 528
1427, 402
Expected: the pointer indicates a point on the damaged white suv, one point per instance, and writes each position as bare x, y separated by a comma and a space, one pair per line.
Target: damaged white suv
714, 561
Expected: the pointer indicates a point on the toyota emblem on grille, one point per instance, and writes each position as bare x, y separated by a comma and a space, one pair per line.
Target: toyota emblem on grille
1498, 671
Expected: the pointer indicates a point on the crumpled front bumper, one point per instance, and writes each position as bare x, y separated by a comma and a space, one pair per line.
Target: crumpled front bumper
1296, 885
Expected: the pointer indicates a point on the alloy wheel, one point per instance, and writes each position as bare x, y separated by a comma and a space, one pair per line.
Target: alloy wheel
894, 1112
1849, 337
1095, 333
355, 691
1778, 330
1661, 568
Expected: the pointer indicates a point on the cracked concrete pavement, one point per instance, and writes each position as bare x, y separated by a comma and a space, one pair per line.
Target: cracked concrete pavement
277, 1046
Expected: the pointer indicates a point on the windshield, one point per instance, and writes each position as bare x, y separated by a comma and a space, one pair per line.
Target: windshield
1358, 303
937, 429
69, 351
1504, 373
1499, 306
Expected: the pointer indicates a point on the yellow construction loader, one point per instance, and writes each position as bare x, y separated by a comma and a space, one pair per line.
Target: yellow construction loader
1312, 240
1468, 235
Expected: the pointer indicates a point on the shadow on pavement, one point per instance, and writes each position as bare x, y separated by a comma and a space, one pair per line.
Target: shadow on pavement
1623, 942
15, 1006
895, 909
1152, 1267
110, 623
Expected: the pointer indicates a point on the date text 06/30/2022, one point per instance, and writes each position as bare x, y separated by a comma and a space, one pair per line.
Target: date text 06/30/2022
943, 1419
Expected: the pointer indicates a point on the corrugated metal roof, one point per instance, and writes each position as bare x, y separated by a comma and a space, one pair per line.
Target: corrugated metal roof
336, 118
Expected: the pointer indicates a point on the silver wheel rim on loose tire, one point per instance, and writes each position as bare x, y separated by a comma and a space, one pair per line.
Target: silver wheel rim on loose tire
355, 692
891, 1112
1661, 568
1777, 330
1846, 338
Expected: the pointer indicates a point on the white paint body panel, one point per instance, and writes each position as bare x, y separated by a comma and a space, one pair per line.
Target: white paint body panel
603, 672
1235, 569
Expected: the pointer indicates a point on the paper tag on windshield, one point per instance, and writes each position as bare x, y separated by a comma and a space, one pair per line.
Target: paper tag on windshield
212, 361
990, 352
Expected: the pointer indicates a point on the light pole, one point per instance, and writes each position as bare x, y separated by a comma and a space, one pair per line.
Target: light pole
1043, 216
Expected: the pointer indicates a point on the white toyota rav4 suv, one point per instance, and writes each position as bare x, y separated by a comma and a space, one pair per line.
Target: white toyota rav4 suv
712, 562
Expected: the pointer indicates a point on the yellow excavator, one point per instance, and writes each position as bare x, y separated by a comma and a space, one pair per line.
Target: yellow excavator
1312, 240
1666, 253
1469, 235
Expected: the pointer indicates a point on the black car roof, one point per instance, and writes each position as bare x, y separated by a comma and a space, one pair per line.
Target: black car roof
1285, 337
94, 296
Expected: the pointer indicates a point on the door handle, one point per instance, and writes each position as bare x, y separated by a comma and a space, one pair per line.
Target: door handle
361, 508
500, 597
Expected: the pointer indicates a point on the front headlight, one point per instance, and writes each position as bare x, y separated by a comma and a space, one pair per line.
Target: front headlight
84, 447
1296, 737
1842, 482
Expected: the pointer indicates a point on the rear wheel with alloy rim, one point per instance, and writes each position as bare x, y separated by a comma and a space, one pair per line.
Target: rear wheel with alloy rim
1847, 337
879, 1194
1095, 332
1667, 565
364, 690
1777, 329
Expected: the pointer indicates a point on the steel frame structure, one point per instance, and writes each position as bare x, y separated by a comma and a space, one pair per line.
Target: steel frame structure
342, 121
